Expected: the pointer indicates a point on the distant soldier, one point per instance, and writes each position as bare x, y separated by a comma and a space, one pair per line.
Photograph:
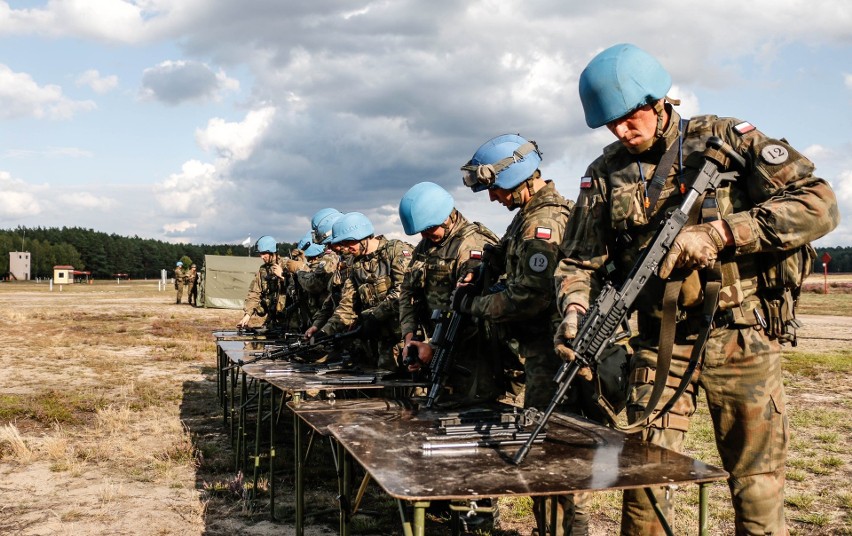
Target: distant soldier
370, 297
451, 247
193, 285
180, 279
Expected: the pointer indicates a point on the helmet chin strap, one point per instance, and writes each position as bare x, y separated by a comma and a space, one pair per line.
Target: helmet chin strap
518, 193
659, 108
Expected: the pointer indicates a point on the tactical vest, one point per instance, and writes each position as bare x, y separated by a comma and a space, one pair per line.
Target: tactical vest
372, 275
757, 288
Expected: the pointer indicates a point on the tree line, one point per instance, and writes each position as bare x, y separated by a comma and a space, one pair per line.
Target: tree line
106, 255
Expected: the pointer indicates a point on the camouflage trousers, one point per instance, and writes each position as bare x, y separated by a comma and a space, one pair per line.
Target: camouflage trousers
741, 377
570, 515
179, 289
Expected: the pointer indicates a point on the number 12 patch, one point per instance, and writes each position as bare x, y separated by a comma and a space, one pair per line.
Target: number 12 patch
538, 262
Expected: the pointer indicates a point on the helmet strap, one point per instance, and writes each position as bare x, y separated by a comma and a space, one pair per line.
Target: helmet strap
528, 186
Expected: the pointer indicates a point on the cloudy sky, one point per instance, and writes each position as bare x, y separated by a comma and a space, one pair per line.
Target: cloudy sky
208, 121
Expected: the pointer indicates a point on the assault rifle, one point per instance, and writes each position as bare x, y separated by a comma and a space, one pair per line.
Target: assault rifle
598, 327
302, 345
443, 340
446, 329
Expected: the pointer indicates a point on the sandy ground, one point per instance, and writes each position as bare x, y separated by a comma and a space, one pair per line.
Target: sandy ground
118, 473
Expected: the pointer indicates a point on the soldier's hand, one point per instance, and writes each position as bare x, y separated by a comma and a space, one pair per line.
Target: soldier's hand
695, 247
310, 332
293, 266
277, 270
244, 322
566, 332
461, 300
423, 352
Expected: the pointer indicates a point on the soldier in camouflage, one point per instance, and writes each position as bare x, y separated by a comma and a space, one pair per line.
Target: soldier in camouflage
370, 296
267, 295
524, 311
451, 247
314, 277
754, 232
192, 278
180, 276
330, 271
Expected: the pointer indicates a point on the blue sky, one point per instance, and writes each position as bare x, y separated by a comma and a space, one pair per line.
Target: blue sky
208, 121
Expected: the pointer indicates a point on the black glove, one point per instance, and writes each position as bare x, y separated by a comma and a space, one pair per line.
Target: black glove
462, 299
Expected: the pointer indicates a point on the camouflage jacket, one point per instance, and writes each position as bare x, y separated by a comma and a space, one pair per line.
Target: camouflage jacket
775, 205
529, 252
335, 288
434, 270
314, 278
180, 275
260, 288
372, 287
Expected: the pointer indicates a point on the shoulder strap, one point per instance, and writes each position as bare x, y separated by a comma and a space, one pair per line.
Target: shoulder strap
662, 171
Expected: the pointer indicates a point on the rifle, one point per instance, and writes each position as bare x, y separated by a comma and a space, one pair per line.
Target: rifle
443, 340
300, 346
598, 327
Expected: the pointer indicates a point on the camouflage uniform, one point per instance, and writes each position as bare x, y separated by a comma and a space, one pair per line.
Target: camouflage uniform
525, 314
335, 289
777, 206
372, 288
260, 293
315, 279
428, 284
180, 277
192, 296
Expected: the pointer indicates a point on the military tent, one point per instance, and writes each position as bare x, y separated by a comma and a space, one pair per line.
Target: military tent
225, 280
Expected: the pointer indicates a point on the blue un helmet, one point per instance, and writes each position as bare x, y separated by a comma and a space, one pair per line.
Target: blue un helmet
321, 224
310, 249
266, 244
179, 263
423, 206
619, 80
351, 226
502, 162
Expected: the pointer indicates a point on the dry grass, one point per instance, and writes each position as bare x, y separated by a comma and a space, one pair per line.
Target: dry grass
111, 425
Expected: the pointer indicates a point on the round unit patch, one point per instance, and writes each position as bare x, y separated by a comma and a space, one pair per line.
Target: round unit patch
774, 154
538, 262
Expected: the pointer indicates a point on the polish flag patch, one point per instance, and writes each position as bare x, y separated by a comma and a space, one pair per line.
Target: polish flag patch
585, 182
475, 254
543, 232
743, 128
406, 253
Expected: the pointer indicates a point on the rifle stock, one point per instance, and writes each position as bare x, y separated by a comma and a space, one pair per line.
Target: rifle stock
598, 328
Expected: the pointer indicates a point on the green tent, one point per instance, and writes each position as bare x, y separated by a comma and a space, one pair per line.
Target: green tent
225, 280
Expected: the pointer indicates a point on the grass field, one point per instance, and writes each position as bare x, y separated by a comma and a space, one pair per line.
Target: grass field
109, 424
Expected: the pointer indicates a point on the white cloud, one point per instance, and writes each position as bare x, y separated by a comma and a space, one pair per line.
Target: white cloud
18, 200
86, 200
175, 82
190, 192
23, 97
99, 84
179, 228
235, 141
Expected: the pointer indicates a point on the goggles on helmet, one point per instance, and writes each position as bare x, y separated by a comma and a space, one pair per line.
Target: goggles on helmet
486, 174
318, 238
